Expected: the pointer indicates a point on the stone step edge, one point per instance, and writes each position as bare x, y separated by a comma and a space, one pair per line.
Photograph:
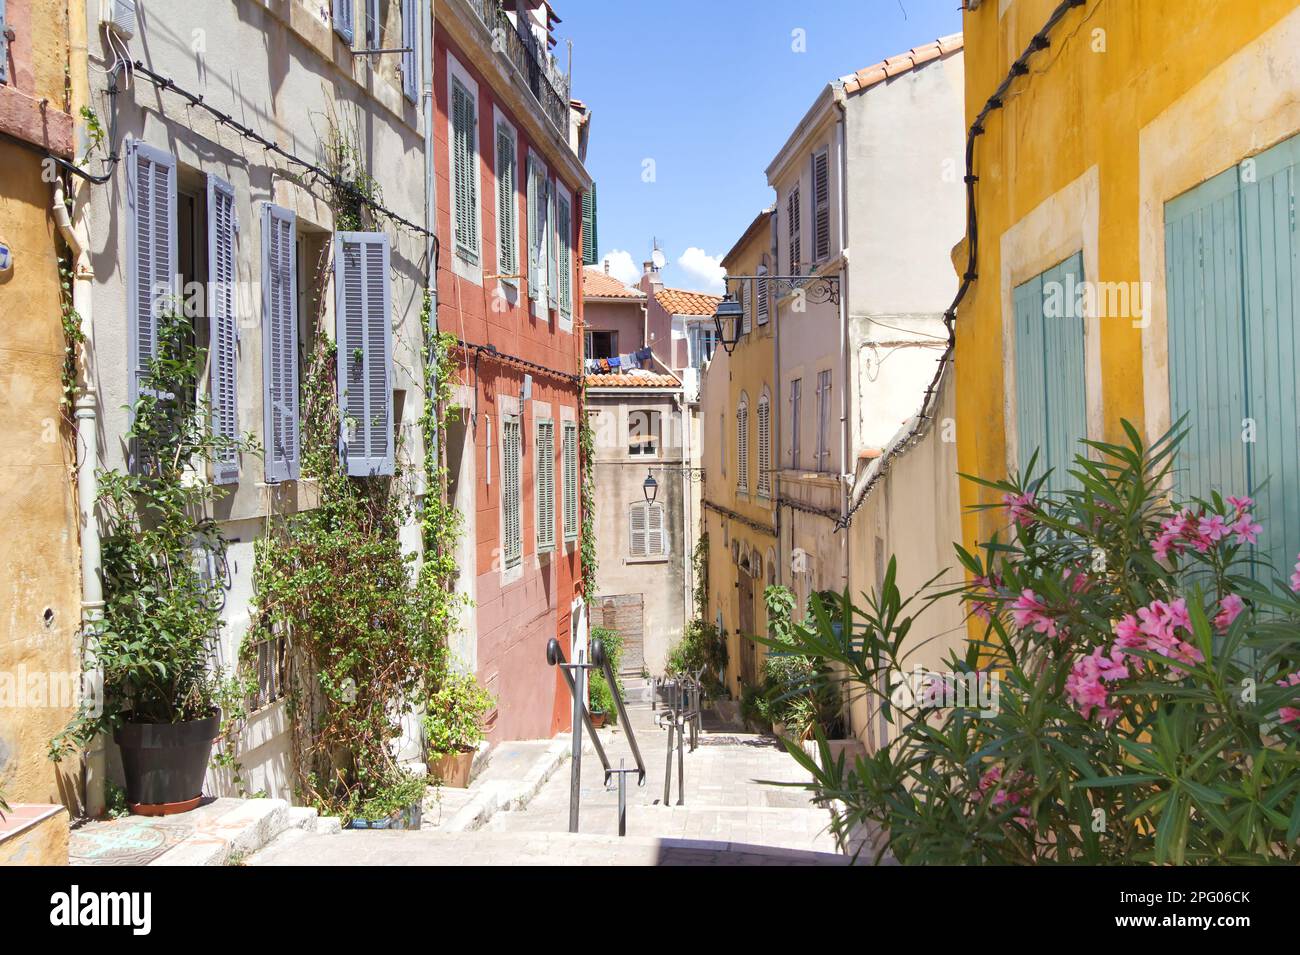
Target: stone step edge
248, 827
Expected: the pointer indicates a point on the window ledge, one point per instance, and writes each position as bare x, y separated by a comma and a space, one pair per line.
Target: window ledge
662, 559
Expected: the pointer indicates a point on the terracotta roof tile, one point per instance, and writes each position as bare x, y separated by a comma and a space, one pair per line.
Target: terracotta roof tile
643, 379
600, 285
902, 63
678, 301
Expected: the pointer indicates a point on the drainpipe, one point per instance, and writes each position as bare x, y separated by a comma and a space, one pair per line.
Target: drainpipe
846, 425
688, 563
430, 178
86, 413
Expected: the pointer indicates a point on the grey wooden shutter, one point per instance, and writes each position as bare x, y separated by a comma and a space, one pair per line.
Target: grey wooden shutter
510, 495
344, 25
656, 540
279, 343
564, 226
821, 207
764, 446
552, 281
411, 43
223, 327
372, 25
464, 174
545, 450
746, 308
364, 333
762, 294
534, 232
792, 225
638, 521
151, 251
507, 232
823, 418
571, 490
742, 447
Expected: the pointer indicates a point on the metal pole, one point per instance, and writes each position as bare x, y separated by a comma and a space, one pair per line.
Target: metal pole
575, 779
622, 799
668, 766
681, 761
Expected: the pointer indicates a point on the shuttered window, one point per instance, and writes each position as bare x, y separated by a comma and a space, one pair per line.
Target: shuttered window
279, 344
564, 228
411, 44
1051, 408
364, 333
746, 309
762, 295
545, 486
647, 531
742, 446
536, 205
373, 41
1232, 259
571, 479
821, 185
151, 204
764, 447
552, 254
507, 206
511, 544
823, 420
223, 328
793, 229
344, 24
464, 158
590, 238
796, 421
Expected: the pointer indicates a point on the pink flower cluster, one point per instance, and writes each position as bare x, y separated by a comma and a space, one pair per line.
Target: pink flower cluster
1295, 577
1086, 684
984, 608
1021, 508
1202, 531
1030, 612
1015, 791
1156, 630
1290, 714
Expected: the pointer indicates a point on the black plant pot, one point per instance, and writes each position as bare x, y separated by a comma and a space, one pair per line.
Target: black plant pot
164, 763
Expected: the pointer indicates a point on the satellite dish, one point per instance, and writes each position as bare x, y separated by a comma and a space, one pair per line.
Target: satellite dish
657, 257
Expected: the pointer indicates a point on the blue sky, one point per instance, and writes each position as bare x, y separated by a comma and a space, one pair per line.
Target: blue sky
709, 90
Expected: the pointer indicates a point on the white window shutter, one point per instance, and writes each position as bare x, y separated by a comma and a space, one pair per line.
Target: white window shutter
638, 529
223, 327
364, 333
343, 21
656, 539
742, 447
510, 492
534, 231
279, 343
411, 43
746, 314
571, 489
545, 451
821, 207
764, 447
151, 250
507, 231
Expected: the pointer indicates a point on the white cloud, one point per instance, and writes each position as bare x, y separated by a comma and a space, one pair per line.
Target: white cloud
705, 269
621, 266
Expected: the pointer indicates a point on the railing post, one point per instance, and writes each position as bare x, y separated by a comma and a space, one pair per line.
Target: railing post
622, 799
575, 783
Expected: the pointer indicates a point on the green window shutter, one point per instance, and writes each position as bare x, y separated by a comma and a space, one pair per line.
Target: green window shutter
223, 329
564, 226
507, 239
545, 449
1051, 402
552, 253
510, 498
279, 343
364, 333
464, 178
590, 241
571, 489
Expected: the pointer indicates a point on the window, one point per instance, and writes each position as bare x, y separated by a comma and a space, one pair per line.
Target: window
571, 479
464, 173
1233, 310
223, 386
764, 480
545, 455
411, 44
564, 229
823, 420
746, 312
706, 343
793, 227
821, 186
648, 533
151, 250
601, 344
742, 445
279, 343
762, 304
552, 250
373, 39
1051, 410
643, 433
362, 310
507, 205
589, 231
796, 422
343, 22
512, 535
537, 268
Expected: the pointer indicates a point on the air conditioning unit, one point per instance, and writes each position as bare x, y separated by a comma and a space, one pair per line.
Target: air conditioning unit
119, 17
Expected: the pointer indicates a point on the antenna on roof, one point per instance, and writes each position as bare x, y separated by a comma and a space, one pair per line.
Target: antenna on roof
657, 256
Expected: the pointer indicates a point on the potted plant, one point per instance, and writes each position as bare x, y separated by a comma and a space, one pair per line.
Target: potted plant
600, 695
162, 561
600, 699
397, 805
453, 727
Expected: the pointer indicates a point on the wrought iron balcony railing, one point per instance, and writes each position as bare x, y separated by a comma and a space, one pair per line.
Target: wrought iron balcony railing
541, 72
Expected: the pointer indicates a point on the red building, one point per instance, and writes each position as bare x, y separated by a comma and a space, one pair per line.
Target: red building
510, 195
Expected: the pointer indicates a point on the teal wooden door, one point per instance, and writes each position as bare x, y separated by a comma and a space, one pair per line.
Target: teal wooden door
1233, 284
1051, 393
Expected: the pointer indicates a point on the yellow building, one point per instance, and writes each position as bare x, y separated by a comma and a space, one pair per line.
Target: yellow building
1143, 160
39, 669
736, 408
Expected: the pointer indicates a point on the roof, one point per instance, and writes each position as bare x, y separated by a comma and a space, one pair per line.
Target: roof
902, 63
599, 285
676, 301
760, 220
633, 379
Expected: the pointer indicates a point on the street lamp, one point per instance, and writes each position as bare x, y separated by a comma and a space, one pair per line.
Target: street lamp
727, 322
650, 487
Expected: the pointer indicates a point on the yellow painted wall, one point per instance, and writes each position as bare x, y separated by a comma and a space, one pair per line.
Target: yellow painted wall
1133, 104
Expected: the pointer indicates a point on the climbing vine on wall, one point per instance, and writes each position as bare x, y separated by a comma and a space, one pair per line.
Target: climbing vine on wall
587, 531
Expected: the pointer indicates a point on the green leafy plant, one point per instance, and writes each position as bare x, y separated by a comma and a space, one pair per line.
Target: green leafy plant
703, 647
599, 692
700, 568
587, 529
4, 806
161, 600
405, 790
453, 720
1146, 664
794, 690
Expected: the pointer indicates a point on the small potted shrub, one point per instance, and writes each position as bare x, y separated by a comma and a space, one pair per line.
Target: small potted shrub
154, 647
453, 728
600, 700
600, 695
396, 805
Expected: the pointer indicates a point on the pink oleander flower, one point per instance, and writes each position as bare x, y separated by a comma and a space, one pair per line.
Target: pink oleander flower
1021, 507
1290, 714
1295, 578
1241, 504
1016, 791
1128, 636
1245, 529
1078, 580
1086, 684
1230, 608
1156, 631
1029, 611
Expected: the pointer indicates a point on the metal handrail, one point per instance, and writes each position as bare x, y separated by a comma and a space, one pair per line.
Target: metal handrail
601, 659
555, 657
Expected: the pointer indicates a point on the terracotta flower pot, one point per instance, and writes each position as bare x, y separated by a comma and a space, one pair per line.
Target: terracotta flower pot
453, 769
598, 718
